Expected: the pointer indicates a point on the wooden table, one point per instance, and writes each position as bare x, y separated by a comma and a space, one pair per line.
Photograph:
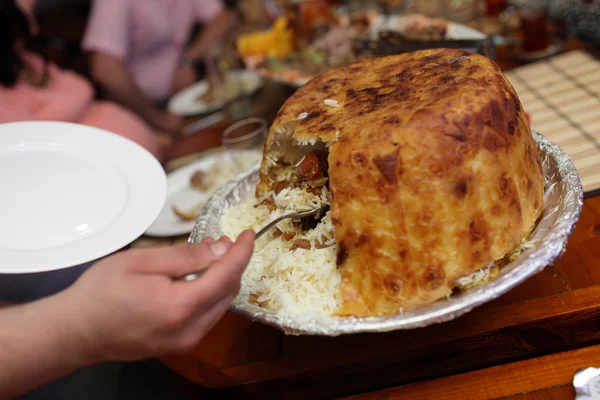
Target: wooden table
549, 315
548, 377
527, 344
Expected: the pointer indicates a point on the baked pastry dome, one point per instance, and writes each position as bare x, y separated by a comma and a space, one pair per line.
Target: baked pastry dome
431, 165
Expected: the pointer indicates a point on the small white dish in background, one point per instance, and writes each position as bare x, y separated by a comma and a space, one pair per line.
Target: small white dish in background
72, 194
182, 195
188, 102
456, 31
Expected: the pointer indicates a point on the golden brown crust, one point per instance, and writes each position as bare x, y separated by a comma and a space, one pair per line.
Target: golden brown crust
434, 173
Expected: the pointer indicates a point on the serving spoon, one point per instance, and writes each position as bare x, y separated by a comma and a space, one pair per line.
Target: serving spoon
295, 216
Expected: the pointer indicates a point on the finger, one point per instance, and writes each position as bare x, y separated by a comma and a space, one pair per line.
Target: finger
221, 246
188, 338
207, 240
174, 261
222, 279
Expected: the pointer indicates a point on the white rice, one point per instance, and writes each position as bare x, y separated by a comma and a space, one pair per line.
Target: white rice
291, 282
306, 142
301, 116
302, 284
476, 278
299, 199
331, 103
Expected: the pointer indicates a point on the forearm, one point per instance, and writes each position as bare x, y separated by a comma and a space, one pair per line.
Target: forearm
38, 344
114, 77
210, 34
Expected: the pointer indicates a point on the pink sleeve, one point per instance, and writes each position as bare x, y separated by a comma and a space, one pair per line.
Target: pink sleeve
107, 30
34, 61
17, 104
66, 97
114, 118
206, 10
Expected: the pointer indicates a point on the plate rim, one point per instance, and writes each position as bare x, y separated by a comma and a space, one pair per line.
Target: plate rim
146, 167
212, 107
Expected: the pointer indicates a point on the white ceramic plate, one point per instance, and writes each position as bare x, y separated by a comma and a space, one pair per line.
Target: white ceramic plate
463, 32
456, 31
72, 194
181, 194
186, 102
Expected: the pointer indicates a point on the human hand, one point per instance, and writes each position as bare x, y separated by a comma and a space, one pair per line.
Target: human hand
128, 307
185, 75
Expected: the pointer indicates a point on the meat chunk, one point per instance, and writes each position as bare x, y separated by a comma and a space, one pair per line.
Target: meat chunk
309, 168
254, 298
317, 183
286, 237
322, 245
300, 244
269, 203
279, 186
200, 180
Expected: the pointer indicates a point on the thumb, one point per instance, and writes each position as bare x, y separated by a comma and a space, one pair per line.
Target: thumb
176, 261
223, 278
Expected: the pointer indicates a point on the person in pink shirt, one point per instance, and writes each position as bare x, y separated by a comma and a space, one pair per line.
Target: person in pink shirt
31, 89
139, 50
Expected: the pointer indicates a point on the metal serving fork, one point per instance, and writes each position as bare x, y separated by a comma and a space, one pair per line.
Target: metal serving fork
295, 216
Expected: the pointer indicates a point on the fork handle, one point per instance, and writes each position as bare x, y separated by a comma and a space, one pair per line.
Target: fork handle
270, 225
195, 275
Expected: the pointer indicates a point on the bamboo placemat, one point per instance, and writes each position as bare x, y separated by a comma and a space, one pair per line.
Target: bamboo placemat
562, 95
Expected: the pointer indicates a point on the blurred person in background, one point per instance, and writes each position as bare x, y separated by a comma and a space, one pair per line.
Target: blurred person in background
31, 89
140, 52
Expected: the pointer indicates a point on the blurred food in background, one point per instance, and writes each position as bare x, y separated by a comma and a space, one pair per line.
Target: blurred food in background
254, 13
420, 27
389, 6
275, 42
312, 36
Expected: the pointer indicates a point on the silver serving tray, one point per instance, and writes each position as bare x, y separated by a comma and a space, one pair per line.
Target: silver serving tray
563, 200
